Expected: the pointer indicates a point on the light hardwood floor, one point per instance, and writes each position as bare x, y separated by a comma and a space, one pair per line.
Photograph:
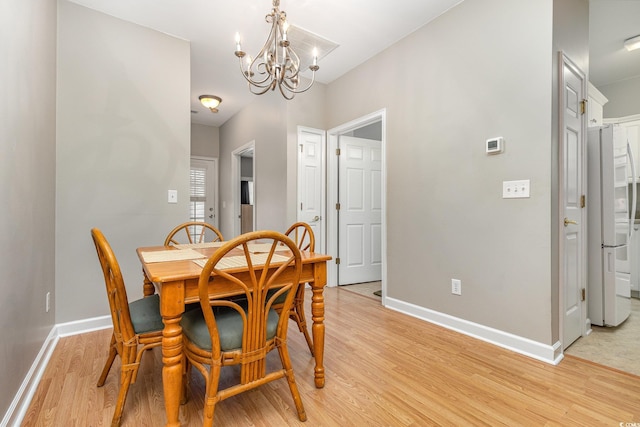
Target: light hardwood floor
382, 369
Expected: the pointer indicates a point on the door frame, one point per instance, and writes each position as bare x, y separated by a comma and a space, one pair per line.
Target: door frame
332, 192
236, 168
564, 60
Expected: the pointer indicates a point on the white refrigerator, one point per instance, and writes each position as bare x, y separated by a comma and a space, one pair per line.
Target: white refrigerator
611, 205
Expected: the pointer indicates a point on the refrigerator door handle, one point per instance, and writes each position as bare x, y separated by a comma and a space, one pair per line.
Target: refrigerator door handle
634, 195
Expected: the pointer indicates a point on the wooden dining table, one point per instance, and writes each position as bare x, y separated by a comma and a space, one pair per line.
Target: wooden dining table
173, 274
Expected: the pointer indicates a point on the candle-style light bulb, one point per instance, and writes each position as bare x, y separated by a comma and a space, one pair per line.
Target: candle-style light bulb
285, 28
238, 48
315, 56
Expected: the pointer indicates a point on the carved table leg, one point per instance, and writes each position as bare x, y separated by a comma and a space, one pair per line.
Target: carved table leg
172, 306
317, 315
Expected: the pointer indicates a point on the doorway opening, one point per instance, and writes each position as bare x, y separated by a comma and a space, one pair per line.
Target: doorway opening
356, 224
244, 188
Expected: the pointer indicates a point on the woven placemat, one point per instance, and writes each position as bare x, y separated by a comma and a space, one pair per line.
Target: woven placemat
170, 255
199, 245
240, 261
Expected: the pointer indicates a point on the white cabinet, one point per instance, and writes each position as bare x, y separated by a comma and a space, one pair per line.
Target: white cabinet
595, 106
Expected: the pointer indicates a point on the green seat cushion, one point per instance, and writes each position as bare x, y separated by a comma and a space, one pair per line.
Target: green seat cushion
229, 324
145, 314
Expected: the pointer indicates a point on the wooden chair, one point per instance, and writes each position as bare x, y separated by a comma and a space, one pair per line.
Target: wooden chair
193, 232
137, 326
242, 332
302, 234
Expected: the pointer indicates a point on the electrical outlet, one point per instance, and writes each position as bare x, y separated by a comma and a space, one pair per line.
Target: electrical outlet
47, 303
456, 287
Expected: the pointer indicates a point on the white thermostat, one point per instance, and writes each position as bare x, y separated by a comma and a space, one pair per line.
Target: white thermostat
495, 145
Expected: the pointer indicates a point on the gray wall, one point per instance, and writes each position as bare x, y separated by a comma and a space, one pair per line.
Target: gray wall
262, 121
624, 98
205, 140
481, 70
123, 140
27, 180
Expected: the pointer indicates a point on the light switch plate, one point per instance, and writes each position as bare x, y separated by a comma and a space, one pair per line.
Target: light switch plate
516, 189
172, 196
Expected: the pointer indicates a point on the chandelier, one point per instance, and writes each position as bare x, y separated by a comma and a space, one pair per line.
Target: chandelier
276, 65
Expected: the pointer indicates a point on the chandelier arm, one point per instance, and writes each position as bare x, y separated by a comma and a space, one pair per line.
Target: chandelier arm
294, 61
262, 56
295, 90
261, 70
261, 92
286, 92
246, 74
287, 97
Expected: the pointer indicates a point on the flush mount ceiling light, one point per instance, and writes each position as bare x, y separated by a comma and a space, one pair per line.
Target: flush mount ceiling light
633, 43
211, 102
276, 65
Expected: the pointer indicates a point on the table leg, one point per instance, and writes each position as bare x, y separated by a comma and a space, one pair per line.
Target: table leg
172, 307
317, 315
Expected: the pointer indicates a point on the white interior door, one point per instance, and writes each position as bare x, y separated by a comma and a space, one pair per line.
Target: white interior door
360, 214
572, 224
204, 190
311, 182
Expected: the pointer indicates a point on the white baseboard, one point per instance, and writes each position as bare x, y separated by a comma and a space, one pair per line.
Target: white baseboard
18, 408
84, 326
545, 353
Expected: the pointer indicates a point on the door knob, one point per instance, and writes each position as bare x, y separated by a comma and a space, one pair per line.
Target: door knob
569, 221
315, 218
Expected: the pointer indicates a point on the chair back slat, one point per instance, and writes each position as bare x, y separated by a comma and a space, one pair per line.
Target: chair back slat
302, 234
193, 232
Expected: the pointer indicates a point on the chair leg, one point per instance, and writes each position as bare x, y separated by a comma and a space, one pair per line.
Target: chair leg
107, 366
211, 398
128, 371
286, 364
298, 315
125, 382
186, 380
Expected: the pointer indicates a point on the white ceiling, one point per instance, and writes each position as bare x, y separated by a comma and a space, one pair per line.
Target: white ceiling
361, 28
611, 22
